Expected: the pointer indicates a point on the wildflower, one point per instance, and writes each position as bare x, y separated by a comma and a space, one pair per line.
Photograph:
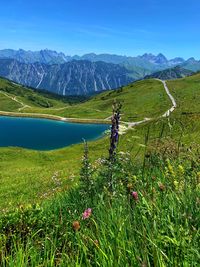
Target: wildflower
87, 213
129, 186
161, 186
76, 225
170, 168
114, 136
134, 178
135, 195
181, 169
176, 184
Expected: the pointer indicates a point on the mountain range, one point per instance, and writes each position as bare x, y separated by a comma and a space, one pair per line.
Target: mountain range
52, 57
171, 73
71, 78
83, 75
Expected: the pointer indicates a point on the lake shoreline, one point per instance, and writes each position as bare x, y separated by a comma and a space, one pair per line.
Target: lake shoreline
53, 117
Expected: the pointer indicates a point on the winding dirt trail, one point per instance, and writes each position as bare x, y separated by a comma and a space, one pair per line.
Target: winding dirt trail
16, 100
106, 120
166, 114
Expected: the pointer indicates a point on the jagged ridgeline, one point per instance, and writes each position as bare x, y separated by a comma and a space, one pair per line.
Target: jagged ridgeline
71, 78
87, 74
171, 73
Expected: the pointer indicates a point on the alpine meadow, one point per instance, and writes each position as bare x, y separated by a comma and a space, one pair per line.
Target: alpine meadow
100, 143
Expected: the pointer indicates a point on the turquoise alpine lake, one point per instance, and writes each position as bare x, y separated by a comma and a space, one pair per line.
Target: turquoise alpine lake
45, 134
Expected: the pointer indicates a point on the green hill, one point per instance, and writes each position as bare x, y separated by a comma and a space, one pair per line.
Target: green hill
139, 100
187, 94
142, 209
15, 97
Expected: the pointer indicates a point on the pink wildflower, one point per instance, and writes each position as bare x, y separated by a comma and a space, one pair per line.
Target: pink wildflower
135, 195
87, 213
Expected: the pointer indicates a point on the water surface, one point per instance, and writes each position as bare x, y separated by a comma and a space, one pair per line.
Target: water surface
44, 134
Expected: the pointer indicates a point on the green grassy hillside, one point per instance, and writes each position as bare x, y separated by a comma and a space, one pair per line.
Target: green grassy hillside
139, 100
12, 92
144, 206
25, 174
146, 96
187, 94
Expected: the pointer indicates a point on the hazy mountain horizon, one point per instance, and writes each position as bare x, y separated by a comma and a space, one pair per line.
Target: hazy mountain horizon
80, 55
66, 75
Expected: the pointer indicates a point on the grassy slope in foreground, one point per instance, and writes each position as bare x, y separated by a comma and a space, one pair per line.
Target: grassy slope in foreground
157, 228
27, 175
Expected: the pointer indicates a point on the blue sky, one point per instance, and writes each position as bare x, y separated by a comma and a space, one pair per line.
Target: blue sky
126, 27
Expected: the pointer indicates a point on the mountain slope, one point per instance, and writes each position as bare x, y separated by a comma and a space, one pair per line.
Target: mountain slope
146, 98
71, 78
187, 93
15, 97
138, 66
139, 100
171, 73
191, 64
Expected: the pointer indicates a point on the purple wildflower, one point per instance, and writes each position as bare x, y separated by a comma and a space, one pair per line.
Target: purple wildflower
114, 137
